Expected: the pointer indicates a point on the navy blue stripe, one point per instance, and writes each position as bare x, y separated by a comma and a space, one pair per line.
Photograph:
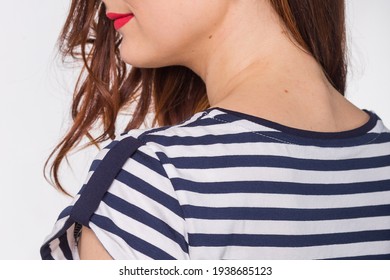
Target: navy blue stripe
279, 162
383, 138
111, 144
280, 187
94, 164
65, 212
284, 214
133, 241
45, 252
264, 240
145, 218
149, 162
203, 123
366, 257
150, 191
64, 245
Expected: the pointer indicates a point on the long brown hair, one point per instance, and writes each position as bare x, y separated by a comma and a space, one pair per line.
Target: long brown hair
106, 85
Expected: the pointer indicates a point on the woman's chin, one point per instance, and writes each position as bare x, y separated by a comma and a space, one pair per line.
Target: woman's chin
137, 60
142, 63
141, 57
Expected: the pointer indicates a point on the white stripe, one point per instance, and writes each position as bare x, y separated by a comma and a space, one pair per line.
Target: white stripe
299, 253
284, 200
214, 129
380, 128
179, 127
286, 227
192, 119
57, 227
135, 133
215, 112
232, 174
101, 154
277, 149
248, 126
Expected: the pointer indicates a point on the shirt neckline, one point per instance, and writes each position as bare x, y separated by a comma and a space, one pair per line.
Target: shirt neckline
357, 132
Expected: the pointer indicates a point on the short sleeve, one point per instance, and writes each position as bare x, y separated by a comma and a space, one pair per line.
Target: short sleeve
129, 203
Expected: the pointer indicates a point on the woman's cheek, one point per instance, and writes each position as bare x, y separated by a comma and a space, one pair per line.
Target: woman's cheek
155, 44
164, 35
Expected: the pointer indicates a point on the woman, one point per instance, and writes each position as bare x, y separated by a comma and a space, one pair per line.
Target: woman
256, 154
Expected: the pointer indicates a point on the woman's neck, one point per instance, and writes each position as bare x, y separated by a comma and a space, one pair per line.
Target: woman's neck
251, 65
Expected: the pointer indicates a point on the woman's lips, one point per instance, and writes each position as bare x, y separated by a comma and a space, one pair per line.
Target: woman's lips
119, 19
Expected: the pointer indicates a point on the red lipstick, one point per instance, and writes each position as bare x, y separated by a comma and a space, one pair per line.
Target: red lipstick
119, 19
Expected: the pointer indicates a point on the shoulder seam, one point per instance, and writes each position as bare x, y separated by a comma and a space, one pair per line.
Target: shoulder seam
254, 132
156, 130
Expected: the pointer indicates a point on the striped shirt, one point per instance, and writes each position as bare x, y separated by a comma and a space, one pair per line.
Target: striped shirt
226, 185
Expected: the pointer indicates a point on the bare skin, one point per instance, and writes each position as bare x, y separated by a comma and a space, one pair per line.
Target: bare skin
90, 247
243, 54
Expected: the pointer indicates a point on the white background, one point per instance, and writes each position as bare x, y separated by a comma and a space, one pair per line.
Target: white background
36, 93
